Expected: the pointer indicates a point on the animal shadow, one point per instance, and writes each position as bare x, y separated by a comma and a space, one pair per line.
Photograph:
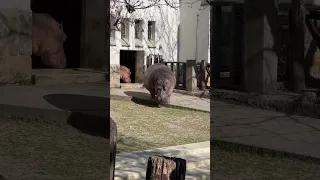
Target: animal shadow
89, 114
141, 98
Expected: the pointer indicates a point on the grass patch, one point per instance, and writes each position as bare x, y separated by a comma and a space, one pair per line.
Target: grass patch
248, 166
35, 149
142, 127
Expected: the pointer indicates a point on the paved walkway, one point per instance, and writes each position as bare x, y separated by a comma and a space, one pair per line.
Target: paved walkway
265, 129
176, 99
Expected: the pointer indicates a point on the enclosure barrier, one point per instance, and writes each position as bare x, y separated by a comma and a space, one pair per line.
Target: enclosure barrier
179, 69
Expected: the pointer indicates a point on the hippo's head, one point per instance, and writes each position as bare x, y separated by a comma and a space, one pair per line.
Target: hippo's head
54, 56
126, 78
161, 87
53, 51
125, 74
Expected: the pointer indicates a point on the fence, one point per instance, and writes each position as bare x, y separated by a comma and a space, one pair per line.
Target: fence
179, 69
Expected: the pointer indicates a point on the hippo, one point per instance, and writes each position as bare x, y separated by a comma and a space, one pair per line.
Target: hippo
125, 74
160, 81
48, 39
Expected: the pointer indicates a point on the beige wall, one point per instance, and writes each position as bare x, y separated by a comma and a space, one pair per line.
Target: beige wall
194, 31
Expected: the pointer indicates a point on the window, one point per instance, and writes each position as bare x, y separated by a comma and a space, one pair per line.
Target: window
151, 30
138, 29
125, 33
112, 35
112, 32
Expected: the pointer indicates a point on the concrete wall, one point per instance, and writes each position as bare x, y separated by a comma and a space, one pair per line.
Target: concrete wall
15, 41
166, 39
194, 31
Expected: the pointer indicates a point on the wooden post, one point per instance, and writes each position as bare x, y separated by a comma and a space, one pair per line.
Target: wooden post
202, 75
113, 147
166, 168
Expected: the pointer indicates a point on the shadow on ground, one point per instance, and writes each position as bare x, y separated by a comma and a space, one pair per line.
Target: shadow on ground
89, 114
141, 98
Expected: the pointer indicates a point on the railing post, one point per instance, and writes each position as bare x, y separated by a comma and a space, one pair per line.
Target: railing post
184, 83
202, 75
178, 75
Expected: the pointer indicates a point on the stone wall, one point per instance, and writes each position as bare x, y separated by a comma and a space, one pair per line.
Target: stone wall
114, 75
15, 44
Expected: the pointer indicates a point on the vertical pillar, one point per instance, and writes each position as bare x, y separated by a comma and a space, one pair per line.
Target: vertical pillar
261, 30
95, 35
191, 75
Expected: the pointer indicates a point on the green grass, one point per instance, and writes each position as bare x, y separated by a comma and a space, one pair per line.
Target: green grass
248, 166
141, 127
35, 149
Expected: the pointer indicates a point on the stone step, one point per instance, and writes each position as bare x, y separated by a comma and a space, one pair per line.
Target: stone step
131, 85
67, 76
133, 165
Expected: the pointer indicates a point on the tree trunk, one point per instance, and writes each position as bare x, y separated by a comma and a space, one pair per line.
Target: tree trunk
296, 55
166, 168
113, 147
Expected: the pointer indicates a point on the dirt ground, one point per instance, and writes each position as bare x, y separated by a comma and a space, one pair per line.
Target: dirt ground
248, 166
143, 127
35, 149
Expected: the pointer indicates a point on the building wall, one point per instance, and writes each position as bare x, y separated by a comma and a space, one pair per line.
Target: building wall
15, 41
166, 39
194, 31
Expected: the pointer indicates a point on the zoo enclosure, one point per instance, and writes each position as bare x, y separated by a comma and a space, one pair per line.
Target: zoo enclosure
179, 69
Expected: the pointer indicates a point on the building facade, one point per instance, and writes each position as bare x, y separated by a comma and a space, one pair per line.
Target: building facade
143, 33
194, 31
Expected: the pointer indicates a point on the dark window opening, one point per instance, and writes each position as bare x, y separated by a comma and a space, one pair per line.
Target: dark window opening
68, 12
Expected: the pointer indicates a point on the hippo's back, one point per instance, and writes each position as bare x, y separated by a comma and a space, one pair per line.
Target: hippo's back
150, 73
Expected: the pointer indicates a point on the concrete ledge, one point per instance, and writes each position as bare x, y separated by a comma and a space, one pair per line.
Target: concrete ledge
131, 85
305, 104
150, 102
237, 147
201, 94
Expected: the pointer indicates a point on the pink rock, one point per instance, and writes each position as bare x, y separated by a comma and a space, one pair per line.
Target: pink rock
48, 39
125, 74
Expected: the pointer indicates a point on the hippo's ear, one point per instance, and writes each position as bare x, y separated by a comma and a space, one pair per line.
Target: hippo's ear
61, 25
